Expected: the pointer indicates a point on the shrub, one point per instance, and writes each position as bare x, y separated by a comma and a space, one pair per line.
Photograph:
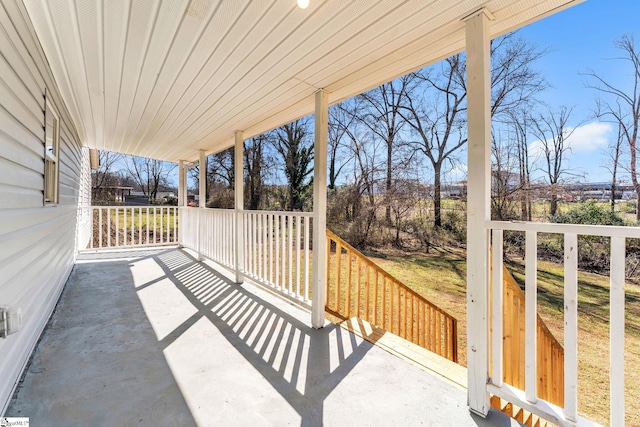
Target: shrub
588, 213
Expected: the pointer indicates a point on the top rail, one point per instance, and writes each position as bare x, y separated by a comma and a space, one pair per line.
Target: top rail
580, 229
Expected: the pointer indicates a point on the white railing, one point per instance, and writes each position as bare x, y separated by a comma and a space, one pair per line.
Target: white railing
276, 245
277, 251
133, 226
218, 223
528, 398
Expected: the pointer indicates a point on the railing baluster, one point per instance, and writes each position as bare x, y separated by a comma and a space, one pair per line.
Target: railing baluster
347, 297
290, 252
100, 210
571, 326
298, 226
338, 276
270, 247
375, 297
497, 309
162, 226
124, 228
155, 223
265, 258
357, 290
117, 227
306, 258
617, 320
531, 313
283, 252
384, 302
367, 292
276, 227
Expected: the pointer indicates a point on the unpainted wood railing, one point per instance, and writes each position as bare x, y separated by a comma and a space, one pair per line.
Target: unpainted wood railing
550, 354
356, 286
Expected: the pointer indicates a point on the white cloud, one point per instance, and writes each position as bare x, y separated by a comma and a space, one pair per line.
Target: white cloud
589, 137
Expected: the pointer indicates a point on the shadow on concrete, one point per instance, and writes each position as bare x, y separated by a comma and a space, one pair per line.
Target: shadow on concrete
266, 336
120, 350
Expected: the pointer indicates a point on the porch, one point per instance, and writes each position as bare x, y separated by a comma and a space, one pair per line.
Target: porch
146, 335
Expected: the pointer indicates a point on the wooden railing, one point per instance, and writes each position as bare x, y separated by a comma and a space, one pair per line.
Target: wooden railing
356, 286
550, 354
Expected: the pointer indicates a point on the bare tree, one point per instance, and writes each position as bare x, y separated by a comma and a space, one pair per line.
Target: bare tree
439, 119
104, 176
622, 105
149, 174
254, 165
382, 116
520, 122
505, 177
553, 130
291, 141
341, 116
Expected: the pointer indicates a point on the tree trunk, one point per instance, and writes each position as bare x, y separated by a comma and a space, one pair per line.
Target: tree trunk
387, 214
437, 214
634, 176
553, 204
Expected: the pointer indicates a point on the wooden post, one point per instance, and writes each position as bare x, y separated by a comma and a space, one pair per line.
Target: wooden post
478, 207
319, 282
239, 204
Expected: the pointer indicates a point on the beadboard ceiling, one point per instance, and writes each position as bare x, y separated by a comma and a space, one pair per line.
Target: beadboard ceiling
163, 79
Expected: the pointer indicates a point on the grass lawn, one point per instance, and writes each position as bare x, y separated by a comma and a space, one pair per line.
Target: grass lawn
440, 276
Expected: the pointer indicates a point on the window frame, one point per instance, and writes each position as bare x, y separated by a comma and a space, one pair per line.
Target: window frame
51, 190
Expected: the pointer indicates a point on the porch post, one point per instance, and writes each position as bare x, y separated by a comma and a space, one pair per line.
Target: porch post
239, 203
181, 183
478, 207
202, 176
319, 279
202, 180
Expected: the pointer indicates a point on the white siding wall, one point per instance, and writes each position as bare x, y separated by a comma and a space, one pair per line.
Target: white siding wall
37, 243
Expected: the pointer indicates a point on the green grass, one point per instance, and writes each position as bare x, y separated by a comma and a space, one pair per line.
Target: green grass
440, 277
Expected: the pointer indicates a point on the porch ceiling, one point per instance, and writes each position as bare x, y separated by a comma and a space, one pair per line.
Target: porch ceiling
164, 79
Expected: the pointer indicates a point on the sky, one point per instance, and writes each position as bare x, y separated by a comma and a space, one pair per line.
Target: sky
578, 39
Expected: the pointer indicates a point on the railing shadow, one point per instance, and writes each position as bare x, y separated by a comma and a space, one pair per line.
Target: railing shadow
293, 357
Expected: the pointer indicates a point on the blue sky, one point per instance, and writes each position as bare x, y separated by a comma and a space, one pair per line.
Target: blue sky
578, 39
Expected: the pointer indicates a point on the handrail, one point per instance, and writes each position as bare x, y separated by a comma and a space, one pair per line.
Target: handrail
385, 301
550, 353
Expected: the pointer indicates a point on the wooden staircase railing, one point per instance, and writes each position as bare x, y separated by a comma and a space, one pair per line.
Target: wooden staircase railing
550, 357
356, 286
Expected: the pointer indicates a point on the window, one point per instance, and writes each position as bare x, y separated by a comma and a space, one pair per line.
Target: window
51, 150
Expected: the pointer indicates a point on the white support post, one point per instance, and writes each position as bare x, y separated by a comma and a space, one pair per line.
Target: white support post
478, 208
239, 204
319, 279
181, 194
181, 186
202, 181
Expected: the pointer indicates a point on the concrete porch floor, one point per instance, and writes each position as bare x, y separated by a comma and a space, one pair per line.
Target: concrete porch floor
153, 337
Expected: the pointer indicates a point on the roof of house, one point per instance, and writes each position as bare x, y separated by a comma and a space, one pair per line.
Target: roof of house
166, 79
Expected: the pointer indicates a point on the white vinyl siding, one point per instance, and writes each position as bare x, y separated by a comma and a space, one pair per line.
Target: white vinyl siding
37, 243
